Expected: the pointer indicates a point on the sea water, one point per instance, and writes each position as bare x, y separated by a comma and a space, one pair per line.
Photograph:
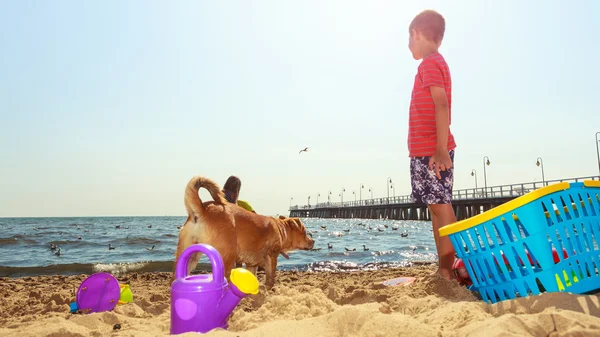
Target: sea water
144, 244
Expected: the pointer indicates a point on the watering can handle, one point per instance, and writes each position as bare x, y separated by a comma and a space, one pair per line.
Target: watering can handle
213, 255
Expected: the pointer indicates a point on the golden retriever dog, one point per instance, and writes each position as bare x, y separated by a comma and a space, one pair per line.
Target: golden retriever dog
238, 235
207, 221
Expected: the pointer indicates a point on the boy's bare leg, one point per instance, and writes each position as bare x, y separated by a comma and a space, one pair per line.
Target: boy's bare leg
442, 215
434, 224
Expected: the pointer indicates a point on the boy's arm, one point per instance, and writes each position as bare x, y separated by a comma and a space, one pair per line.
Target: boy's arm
434, 80
441, 158
441, 117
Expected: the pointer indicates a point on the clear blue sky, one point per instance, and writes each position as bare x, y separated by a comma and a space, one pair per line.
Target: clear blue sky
109, 108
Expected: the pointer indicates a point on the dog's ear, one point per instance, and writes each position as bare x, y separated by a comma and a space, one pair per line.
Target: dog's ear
296, 224
282, 217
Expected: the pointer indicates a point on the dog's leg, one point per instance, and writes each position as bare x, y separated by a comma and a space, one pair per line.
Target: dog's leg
228, 263
252, 269
270, 268
193, 262
228, 255
186, 239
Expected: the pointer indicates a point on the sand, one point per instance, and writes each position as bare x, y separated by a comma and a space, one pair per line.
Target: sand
304, 304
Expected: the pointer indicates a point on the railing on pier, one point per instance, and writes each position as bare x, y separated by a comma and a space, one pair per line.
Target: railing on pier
493, 192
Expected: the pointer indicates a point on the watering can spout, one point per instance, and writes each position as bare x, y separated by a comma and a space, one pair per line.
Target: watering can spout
243, 283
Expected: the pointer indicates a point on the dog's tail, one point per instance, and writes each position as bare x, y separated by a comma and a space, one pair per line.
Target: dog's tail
192, 201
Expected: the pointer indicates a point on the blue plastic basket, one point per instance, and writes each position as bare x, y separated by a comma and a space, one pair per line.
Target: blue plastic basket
508, 250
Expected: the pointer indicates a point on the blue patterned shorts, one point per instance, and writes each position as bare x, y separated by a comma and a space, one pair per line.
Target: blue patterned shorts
426, 187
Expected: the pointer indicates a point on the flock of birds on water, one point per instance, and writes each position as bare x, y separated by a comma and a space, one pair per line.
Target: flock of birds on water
365, 248
58, 251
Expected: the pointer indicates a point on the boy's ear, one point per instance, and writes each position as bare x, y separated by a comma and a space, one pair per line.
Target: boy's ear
415, 34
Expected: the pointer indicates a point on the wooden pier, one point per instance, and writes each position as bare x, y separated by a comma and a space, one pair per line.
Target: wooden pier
466, 203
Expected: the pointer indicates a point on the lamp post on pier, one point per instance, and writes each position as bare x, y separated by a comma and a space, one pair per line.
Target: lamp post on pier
486, 161
388, 181
354, 193
309, 201
474, 174
598, 151
360, 191
292, 198
329, 197
318, 195
342, 194
540, 163
371, 190
393, 188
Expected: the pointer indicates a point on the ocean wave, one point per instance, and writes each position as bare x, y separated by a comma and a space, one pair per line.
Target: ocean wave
76, 243
143, 267
41, 228
134, 241
124, 268
90, 241
47, 233
383, 252
116, 269
345, 266
138, 267
16, 240
60, 269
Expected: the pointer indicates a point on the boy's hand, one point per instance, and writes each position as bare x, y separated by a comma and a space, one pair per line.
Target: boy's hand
442, 162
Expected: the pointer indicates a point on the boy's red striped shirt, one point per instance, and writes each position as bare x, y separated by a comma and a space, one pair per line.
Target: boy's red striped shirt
422, 137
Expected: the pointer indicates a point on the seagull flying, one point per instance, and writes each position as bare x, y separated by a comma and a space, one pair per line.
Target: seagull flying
303, 150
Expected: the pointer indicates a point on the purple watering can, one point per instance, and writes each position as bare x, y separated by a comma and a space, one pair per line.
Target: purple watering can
200, 303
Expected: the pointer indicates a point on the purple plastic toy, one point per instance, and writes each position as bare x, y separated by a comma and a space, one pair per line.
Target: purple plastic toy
200, 303
99, 292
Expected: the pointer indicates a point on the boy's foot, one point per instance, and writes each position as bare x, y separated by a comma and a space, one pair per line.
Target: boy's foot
448, 275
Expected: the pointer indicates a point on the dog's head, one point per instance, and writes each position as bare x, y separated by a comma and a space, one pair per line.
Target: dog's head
297, 237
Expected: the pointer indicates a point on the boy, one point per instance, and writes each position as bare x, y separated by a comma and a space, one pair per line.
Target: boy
231, 189
430, 142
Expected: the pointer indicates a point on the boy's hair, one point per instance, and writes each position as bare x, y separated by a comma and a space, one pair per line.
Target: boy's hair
231, 189
429, 23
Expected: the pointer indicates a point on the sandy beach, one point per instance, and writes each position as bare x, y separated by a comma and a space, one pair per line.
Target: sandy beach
304, 304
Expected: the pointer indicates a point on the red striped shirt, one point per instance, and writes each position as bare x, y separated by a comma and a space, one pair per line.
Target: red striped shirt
422, 137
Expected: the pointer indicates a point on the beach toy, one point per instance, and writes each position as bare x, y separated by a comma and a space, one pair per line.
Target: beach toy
100, 292
460, 265
402, 280
534, 228
554, 257
126, 294
457, 267
200, 303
